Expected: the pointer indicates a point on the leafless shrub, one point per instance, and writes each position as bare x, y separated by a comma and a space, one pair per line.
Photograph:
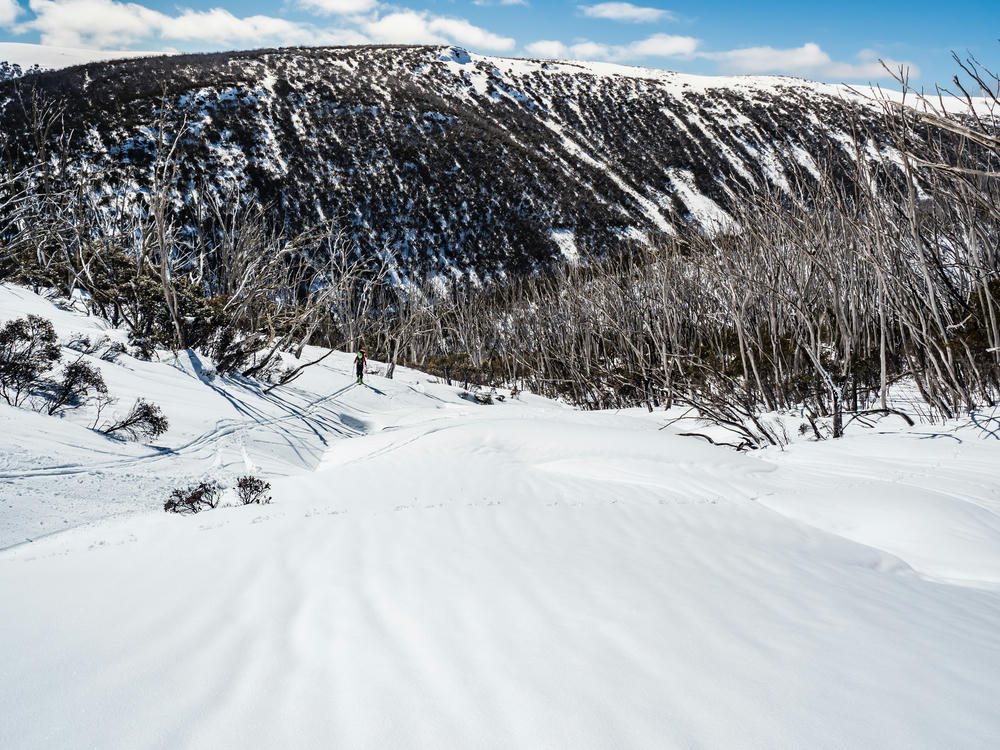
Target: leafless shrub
252, 490
82, 343
113, 351
484, 399
194, 499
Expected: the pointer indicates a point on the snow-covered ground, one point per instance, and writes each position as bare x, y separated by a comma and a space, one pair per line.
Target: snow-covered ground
434, 573
52, 58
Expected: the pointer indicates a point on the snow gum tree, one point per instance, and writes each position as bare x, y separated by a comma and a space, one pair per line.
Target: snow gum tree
79, 380
28, 350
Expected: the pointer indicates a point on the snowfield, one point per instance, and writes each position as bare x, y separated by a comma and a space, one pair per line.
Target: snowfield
434, 573
49, 57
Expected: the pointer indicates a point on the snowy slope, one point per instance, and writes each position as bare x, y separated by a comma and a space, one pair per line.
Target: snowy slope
454, 161
53, 469
435, 573
48, 57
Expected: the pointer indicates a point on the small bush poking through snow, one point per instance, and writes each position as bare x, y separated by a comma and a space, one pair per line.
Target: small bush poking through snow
252, 490
79, 379
143, 347
82, 343
202, 496
28, 349
479, 398
114, 351
145, 420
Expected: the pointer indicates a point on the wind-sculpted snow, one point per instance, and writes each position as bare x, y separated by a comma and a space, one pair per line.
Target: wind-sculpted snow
434, 573
451, 160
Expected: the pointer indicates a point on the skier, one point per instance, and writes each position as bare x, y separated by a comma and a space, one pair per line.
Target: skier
359, 364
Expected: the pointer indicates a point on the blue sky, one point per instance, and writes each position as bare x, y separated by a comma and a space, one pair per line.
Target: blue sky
833, 42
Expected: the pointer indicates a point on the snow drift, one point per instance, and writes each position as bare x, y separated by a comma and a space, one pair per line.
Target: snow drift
436, 573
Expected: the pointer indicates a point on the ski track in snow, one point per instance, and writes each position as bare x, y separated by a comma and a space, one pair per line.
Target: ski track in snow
223, 429
437, 574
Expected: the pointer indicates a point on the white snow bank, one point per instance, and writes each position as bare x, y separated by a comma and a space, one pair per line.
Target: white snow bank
50, 57
566, 240
932, 498
57, 473
707, 212
518, 575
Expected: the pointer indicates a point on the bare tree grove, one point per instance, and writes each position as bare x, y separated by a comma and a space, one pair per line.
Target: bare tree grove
818, 296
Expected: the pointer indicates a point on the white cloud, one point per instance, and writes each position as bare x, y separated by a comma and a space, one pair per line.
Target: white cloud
340, 37
768, 59
591, 51
107, 23
110, 23
626, 12
413, 27
657, 45
104, 24
808, 60
663, 45
547, 48
465, 33
92, 23
867, 67
583, 50
404, 27
488, 3
218, 25
338, 7
9, 10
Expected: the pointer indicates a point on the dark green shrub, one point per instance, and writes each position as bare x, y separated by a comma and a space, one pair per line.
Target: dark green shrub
79, 380
28, 350
144, 420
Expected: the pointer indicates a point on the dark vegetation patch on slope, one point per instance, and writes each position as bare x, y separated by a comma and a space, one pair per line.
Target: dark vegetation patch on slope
413, 157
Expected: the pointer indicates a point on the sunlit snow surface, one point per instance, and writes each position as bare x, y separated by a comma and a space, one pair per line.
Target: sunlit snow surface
49, 57
437, 574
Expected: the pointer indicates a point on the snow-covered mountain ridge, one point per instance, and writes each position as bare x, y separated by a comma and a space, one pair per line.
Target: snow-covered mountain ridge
453, 160
30, 56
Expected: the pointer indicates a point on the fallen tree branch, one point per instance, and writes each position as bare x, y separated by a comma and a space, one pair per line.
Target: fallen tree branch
906, 417
290, 376
742, 446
